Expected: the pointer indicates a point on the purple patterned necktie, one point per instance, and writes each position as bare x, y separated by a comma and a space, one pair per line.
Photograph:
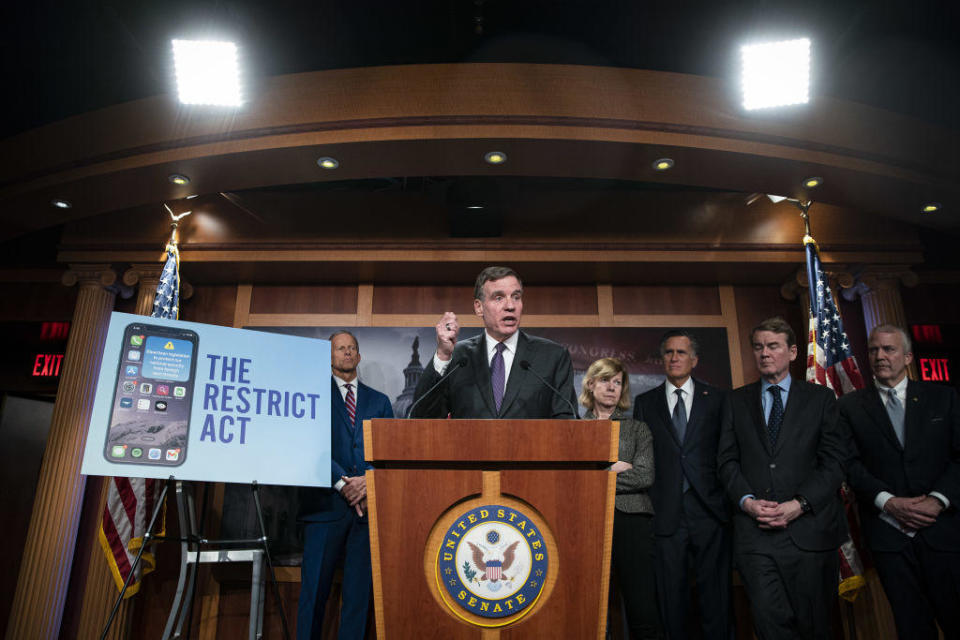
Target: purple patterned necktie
498, 375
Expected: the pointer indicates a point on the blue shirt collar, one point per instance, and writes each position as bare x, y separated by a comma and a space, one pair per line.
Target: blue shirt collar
783, 384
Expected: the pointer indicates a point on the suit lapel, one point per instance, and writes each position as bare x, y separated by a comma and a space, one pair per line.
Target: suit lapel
525, 351
339, 408
481, 372
665, 417
756, 410
913, 411
700, 398
878, 413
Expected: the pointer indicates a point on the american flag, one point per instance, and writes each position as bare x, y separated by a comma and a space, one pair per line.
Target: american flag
831, 363
131, 501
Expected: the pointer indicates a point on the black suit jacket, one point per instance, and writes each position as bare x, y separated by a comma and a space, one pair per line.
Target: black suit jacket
467, 392
929, 460
807, 460
696, 455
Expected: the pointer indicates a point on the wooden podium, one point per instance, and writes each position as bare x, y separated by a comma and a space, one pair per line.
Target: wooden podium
464, 513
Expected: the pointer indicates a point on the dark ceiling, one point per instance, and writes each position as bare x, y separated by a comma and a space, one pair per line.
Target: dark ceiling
63, 58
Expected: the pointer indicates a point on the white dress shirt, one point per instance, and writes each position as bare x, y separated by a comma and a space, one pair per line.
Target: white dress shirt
508, 354
686, 391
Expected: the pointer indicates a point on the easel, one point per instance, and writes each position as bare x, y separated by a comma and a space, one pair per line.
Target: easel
195, 549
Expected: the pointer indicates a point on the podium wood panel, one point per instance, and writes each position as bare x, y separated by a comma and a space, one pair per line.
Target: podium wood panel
481, 441
572, 503
407, 504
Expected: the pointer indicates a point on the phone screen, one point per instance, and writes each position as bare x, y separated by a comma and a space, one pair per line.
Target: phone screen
150, 419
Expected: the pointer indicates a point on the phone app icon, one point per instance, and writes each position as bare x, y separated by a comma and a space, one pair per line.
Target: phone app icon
173, 455
179, 392
153, 453
143, 404
163, 389
136, 341
132, 370
146, 387
119, 451
129, 386
161, 405
126, 403
133, 355
136, 452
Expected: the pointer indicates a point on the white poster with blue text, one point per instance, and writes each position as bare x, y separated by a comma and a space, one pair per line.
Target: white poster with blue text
202, 402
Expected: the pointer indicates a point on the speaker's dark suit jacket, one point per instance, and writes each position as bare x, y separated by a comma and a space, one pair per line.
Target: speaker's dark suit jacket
696, 455
806, 460
928, 461
467, 393
333, 530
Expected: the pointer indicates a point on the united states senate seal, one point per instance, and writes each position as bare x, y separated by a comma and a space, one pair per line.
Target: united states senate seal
492, 562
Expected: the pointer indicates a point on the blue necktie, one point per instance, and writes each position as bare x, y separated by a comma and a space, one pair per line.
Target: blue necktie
775, 421
498, 375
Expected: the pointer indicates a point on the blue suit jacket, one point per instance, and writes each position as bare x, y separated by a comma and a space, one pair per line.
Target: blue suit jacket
347, 453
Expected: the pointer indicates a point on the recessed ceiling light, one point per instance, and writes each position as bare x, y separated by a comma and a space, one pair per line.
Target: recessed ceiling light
475, 206
191, 197
663, 164
776, 74
178, 179
60, 203
207, 72
328, 163
931, 207
811, 183
495, 157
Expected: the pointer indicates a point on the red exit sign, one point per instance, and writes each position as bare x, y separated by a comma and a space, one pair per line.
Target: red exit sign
927, 333
935, 369
47, 365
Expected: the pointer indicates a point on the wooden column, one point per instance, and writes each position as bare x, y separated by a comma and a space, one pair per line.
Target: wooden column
100, 591
51, 539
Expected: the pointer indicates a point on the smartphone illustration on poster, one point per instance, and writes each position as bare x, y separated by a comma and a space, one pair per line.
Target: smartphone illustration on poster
150, 414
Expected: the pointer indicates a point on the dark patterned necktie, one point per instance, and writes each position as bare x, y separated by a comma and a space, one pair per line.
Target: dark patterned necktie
351, 402
897, 415
775, 421
498, 375
680, 415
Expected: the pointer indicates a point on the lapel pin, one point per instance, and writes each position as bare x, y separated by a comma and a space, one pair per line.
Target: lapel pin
916, 399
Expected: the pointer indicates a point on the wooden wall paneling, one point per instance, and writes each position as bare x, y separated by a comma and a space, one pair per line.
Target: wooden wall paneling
666, 299
605, 308
364, 305
301, 320
242, 308
728, 303
560, 300
669, 321
322, 299
37, 301
422, 300
211, 304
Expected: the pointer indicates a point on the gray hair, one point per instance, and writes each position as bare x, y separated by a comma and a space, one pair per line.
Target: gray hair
680, 333
489, 274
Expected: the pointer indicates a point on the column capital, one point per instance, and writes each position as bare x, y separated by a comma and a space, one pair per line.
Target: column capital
874, 279
840, 279
142, 272
90, 275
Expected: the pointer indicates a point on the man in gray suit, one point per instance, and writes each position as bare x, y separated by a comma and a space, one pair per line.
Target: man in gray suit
780, 458
503, 372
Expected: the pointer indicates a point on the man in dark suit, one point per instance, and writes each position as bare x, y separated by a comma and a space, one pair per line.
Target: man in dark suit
503, 372
905, 467
691, 512
780, 458
335, 520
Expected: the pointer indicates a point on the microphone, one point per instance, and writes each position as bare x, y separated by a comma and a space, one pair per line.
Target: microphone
526, 367
456, 365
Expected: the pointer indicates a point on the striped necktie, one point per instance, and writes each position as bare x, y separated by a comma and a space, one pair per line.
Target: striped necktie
351, 402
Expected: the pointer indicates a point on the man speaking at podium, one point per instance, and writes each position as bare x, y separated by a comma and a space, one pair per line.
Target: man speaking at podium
503, 372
